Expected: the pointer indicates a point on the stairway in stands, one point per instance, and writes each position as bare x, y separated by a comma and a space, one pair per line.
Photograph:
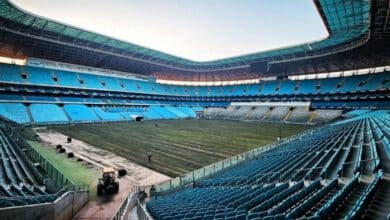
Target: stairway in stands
323, 201
66, 113
29, 114
312, 116
248, 114
288, 115
381, 200
266, 114
348, 202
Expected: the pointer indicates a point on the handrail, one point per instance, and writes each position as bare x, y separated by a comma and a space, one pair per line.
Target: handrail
354, 212
142, 213
121, 210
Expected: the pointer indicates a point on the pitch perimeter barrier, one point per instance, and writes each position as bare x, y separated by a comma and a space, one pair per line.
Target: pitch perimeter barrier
207, 171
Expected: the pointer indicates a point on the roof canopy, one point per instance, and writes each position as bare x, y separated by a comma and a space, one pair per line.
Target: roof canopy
347, 22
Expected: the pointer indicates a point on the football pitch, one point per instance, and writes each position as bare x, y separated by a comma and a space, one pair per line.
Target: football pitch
179, 146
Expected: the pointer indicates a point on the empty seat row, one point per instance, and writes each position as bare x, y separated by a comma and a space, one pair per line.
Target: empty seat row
61, 78
296, 179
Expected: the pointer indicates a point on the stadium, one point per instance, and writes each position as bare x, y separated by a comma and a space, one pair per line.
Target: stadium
93, 127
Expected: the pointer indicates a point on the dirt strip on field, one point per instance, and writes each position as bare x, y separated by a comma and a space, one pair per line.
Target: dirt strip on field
102, 207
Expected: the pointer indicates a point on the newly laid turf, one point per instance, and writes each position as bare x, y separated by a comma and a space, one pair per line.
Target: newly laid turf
84, 176
178, 146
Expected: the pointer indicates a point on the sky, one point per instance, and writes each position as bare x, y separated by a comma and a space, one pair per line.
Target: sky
199, 30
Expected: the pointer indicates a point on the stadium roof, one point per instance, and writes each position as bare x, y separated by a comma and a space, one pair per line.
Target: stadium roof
347, 21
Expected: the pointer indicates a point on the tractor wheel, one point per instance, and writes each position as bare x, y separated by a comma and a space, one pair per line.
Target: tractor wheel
116, 186
99, 190
110, 189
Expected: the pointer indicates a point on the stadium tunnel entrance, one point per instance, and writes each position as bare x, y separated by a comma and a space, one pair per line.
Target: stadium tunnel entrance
138, 118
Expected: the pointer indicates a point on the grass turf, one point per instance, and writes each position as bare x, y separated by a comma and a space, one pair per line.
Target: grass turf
178, 146
67, 166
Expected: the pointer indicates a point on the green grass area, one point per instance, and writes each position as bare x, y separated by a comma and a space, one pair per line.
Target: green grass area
75, 170
179, 146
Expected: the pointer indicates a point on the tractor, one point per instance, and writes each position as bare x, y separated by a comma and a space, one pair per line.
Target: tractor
107, 183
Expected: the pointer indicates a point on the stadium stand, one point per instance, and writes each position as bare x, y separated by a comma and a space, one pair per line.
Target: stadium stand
23, 179
82, 88
257, 113
47, 113
277, 114
38, 76
41, 76
80, 113
105, 115
274, 183
15, 111
296, 115
336, 171
299, 115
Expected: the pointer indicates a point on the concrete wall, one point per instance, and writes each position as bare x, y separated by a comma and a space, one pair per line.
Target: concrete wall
63, 208
68, 205
40, 211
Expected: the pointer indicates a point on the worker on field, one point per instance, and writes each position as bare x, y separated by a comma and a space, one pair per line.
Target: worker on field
152, 192
149, 154
142, 195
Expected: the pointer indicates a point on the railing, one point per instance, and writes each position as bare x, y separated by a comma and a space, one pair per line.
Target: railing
277, 175
142, 213
361, 203
58, 177
127, 205
214, 168
55, 175
131, 202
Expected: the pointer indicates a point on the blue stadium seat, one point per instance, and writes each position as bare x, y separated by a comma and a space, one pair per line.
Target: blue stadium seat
39, 76
67, 79
287, 87
273, 184
80, 113
47, 113
16, 112
90, 81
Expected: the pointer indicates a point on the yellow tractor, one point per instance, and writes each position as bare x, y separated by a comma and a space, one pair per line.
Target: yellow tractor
107, 183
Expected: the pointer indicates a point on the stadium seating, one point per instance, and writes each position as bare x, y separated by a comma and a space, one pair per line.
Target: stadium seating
41, 76
257, 113
99, 89
67, 79
177, 112
21, 183
47, 113
108, 115
277, 114
90, 81
299, 115
80, 113
11, 74
110, 83
15, 111
307, 87
152, 113
287, 87
274, 184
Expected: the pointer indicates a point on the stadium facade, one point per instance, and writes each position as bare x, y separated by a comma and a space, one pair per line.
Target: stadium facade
58, 74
